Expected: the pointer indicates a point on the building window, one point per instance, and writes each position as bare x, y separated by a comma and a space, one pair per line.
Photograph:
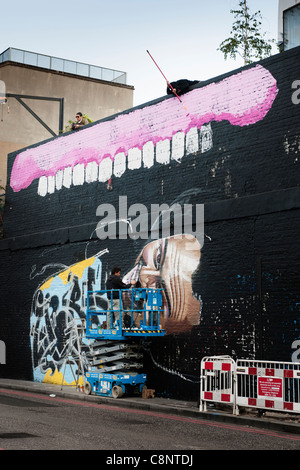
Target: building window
291, 27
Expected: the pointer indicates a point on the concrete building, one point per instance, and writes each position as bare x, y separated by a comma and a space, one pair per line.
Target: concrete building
25, 76
288, 24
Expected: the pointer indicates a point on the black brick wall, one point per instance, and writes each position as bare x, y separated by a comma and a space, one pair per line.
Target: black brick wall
249, 275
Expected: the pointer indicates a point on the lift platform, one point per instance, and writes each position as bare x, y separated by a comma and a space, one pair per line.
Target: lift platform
117, 323
138, 312
114, 385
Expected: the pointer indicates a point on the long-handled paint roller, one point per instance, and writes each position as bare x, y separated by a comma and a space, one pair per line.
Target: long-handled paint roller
168, 83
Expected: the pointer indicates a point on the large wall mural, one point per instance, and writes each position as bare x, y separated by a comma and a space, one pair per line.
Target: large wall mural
230, 148
98, 152
57, 322
95, 153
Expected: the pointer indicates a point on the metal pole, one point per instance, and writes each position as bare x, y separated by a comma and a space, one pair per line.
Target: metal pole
260, 306
61, 115
168, 83
20, 98
35, 116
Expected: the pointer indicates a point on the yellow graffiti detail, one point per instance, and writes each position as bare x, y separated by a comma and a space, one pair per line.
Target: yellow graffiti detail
47, 284
77, 269
57, 379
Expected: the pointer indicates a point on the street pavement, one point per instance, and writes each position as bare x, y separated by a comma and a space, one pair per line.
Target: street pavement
276, 421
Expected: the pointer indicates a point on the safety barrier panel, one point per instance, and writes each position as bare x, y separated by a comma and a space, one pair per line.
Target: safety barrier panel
273, 386
265, 385
217, 381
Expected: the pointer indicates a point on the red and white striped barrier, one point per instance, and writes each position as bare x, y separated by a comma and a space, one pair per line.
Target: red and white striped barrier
217, 381
268, 385
273, 386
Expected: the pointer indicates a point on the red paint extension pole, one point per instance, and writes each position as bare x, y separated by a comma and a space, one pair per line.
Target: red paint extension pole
168, 83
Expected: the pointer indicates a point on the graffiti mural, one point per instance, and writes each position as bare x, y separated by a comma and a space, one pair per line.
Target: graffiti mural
58, 306
155, 134
232, 149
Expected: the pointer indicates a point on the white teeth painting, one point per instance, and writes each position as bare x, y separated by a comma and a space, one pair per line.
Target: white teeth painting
158, 133
135, 159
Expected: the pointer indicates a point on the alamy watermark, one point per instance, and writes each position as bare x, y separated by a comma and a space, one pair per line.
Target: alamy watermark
296, 353
296, 94
161, 221
2, 352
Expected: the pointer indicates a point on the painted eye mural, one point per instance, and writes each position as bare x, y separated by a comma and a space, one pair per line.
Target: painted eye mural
169, 264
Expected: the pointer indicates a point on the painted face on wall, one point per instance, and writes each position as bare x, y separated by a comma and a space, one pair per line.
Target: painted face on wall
169, 263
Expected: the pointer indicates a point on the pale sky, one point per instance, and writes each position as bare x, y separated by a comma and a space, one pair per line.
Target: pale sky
183, 37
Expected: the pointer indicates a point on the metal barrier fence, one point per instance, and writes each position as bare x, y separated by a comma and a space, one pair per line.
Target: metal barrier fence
268, 385
217, 381
273, 386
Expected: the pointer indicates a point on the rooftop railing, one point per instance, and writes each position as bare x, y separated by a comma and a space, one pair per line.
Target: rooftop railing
62, 65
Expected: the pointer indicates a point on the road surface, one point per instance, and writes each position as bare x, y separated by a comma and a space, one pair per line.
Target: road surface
40, 422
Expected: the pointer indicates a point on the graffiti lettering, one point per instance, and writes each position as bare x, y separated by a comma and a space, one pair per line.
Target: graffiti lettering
58, 306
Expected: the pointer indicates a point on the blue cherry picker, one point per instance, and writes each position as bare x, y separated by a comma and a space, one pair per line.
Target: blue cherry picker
114, 358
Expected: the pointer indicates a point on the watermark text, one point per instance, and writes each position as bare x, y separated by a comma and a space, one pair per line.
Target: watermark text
162, 221
2, 352
296, 94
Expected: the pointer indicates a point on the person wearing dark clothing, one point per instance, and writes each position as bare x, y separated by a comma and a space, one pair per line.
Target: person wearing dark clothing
80, 122
114, 282
181, 86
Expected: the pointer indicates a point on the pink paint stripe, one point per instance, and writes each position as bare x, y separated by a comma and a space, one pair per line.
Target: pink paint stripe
241, 99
